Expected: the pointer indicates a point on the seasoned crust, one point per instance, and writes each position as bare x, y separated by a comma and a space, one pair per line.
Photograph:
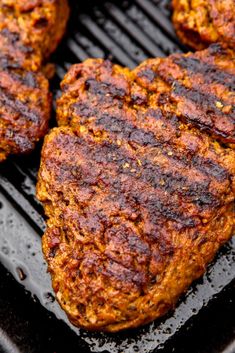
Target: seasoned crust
117, 259
138, 201
198, 87
25, 105
199, 23
31, 30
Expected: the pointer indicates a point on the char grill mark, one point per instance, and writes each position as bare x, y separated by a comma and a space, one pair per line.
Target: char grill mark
144, 138
160, 183
121, 186
199, 88
24, 108
17, 74
121, 126
18, 107
14, 49
102, 88
206, 102
200, 108
211, 73
165, 178
111, 204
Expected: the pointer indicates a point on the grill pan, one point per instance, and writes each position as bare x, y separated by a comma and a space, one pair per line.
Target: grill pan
127, 32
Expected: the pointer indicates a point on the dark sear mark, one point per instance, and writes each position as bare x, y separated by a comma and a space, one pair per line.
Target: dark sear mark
122, 128
211, 73
115, 161
149, 74
206, 102
199, 88
11, 36
102, 88
25, 103
14, 70
18, 106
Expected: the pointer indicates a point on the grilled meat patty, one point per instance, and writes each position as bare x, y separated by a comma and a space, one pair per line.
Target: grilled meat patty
199, 23
25, 104
138, 201
31, 30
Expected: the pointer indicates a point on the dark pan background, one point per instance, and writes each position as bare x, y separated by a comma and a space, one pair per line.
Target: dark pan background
31, 321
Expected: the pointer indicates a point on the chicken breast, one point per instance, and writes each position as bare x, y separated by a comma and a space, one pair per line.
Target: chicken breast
31, 30
199, 23
138, 200
25, 105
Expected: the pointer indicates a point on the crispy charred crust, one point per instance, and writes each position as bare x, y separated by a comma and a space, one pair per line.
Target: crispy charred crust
199, 88
138, 201
202, 22
31, 30
25, 104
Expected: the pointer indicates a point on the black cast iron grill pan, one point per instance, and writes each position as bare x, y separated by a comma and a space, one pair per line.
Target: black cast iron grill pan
127, 32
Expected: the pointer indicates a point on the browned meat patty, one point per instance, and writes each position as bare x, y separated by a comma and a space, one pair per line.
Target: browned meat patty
30, 30
199, 23
25, 104
138, 202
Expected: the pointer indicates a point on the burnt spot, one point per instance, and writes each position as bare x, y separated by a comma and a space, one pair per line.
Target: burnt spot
6, 63
30, 80
113, 269
25, 49
41, 23
84, 109
12, 37
216, 49
104, 88
138, 99
148, 74
127, 130
157, 209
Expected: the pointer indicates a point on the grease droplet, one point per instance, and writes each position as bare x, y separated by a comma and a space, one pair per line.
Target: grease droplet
21, 273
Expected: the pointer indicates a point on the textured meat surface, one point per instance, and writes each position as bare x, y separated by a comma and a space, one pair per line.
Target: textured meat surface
138, 202
202, 22
199, 88
25, 104
31, 30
